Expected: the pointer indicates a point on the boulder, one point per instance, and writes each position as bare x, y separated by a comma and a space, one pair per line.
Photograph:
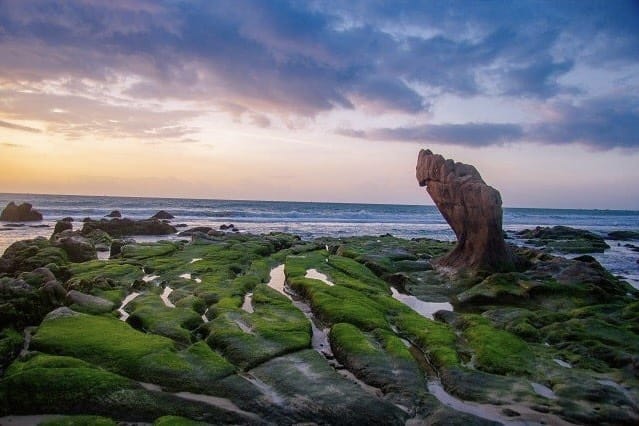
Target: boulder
77, 247
196, 230
67, 219
62, 225
162, 215
471, 208
22, 213
120, 227
87, 303
114, 213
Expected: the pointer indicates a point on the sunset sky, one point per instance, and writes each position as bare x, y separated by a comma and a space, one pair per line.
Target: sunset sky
320, 100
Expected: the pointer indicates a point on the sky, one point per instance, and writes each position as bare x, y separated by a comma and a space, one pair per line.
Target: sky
320, 100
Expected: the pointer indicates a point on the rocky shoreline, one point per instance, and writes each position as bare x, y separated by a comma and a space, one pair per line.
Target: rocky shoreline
226, 327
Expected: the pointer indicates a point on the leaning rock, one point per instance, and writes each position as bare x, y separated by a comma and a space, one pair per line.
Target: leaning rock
471, 208
22, 213
162, 215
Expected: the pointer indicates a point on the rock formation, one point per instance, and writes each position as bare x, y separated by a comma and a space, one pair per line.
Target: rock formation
22, 213
120, 227
162, 214
471, 208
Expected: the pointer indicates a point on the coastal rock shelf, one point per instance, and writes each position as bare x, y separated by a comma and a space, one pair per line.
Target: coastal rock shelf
244, 329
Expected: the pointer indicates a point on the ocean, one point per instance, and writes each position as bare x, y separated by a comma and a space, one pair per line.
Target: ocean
310, 220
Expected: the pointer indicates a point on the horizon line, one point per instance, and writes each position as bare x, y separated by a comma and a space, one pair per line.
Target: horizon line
293, 201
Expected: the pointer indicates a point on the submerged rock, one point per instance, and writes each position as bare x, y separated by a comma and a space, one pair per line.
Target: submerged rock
564, 239
22, 213
623, 235
163, 215
471, 208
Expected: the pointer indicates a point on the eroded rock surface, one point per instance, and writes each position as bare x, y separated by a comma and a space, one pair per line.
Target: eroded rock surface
22, 213
471, 208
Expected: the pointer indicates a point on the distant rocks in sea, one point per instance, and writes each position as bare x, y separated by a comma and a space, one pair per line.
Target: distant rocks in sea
114, 213
20, 213
564, 239
163, 215
623, 235
119, 227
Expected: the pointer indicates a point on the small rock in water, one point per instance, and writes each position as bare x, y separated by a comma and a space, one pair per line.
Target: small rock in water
114, 213
163, 215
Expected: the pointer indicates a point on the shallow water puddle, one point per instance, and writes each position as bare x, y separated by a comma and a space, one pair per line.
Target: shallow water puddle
215, 401
28, 333
198, 280
148, 278
542, 390
196, 259
562, 363
104, 255
244, 327
204, 318
165, 297
425, 309
316, 275
278, 280
267, 390
186, 276
124, 314
248, 303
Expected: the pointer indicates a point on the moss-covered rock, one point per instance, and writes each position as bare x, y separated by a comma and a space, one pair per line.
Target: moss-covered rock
564, 239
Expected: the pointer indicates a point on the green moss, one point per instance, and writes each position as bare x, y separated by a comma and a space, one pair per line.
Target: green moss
496, 351
275, 327
176, 421
10, 344
80, 421
436, 340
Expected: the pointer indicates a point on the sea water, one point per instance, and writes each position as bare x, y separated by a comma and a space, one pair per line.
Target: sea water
310, 220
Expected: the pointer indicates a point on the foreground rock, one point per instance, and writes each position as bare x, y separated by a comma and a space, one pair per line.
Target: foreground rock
22, 213
471, 208
233, 329
120, 227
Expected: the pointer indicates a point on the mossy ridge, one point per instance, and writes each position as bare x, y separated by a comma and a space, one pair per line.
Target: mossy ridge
118, 272
64, 385
10, 345
436, 340
177, 421
119, 348
380, 359
276, 328
27, 255
148, 313
315, 391
80, 421
496, 351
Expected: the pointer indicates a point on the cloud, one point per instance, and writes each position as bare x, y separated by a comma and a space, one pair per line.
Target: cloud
601, 124
467, 134
11, 145
14, 126
296, 60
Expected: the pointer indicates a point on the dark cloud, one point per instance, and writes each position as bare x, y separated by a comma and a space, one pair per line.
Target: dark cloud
14, 126
601, 123
467, 134
259, 59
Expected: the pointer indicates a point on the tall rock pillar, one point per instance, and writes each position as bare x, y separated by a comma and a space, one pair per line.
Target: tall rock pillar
471, 208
